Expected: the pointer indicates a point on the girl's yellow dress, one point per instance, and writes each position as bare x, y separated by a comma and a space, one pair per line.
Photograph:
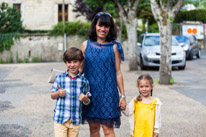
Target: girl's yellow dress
144, 117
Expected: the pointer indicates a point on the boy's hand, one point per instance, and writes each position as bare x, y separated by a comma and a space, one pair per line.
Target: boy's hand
155, 134
83, 97
61, 92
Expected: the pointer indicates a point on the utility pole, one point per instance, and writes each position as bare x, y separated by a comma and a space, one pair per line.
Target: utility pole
63, 19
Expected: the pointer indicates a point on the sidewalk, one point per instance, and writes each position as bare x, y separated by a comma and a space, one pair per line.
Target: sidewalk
26, 108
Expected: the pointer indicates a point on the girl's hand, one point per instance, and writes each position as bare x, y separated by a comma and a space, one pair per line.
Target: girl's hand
122, 103
155, 134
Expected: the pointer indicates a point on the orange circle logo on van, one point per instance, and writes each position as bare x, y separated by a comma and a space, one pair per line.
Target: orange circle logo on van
189, 30
194, 31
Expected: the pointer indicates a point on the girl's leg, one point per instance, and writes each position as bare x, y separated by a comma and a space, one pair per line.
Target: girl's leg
94, 130
108, 132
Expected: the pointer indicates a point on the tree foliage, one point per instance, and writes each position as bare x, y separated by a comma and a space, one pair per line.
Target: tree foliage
144, 11
192, 15
194, 2
89, 8
10, 19
84, 9
71, 28
10, 26
203, 4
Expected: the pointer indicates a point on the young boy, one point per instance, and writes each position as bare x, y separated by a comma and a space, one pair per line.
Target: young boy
69, 89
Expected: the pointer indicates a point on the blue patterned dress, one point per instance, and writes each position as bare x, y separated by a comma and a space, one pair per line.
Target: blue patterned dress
100, 71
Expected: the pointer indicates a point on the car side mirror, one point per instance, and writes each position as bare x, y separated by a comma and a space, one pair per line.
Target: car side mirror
139, 44
181, 44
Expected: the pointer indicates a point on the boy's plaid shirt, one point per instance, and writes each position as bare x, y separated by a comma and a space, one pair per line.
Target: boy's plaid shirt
69, 106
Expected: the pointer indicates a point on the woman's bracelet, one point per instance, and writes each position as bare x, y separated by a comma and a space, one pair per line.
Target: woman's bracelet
87, 102
122, 96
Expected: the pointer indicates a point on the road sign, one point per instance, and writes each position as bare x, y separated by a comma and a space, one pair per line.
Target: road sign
196, 30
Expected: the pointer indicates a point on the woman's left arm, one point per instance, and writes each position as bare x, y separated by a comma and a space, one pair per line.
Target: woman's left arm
120, 83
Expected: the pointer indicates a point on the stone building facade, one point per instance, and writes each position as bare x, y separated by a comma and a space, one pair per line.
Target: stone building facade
43, 14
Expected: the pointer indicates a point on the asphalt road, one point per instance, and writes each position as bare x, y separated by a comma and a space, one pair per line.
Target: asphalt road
26, 109
191, 81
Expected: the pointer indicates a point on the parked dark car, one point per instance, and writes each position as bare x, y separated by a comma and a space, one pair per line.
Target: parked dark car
190, 45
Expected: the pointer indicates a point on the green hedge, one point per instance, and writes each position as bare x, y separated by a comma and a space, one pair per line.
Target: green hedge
71, 28
35, 31
192, 15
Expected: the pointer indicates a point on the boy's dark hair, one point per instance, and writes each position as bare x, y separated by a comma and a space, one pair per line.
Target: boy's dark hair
73, 53
105, 20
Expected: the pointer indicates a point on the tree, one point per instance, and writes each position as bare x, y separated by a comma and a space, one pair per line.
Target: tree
127, 11
164, 12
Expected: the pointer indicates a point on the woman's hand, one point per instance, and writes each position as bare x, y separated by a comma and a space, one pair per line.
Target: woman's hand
122, 103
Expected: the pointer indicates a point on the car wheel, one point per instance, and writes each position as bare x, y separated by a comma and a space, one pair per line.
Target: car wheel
199, 54
191, 55
142, 64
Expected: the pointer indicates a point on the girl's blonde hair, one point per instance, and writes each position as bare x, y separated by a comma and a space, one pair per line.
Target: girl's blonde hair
145, 77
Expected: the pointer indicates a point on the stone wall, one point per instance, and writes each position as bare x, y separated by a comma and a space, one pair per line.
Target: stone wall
42, 47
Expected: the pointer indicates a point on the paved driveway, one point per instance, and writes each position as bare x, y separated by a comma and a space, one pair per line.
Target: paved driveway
26, 109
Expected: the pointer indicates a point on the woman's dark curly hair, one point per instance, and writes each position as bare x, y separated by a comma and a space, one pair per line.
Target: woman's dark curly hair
104, 20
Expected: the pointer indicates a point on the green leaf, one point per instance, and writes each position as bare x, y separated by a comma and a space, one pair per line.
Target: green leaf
171, 80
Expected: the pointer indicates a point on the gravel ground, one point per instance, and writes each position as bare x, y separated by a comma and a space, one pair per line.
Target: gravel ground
26, 109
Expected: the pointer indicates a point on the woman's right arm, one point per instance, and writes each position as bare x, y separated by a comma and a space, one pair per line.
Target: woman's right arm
83, 48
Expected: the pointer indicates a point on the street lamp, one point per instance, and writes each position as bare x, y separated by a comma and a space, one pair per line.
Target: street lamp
63, 19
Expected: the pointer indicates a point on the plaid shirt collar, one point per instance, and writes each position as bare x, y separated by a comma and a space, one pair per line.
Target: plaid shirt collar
77, 76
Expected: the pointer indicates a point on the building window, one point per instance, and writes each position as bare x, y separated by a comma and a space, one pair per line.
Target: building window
60, 12
17, 7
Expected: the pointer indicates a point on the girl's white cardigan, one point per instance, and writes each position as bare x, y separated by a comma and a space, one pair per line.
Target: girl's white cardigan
129, 111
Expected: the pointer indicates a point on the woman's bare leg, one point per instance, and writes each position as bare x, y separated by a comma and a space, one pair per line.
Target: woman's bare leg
94, 130
108, 132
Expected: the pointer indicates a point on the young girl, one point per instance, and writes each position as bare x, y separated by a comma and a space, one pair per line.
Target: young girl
144, 110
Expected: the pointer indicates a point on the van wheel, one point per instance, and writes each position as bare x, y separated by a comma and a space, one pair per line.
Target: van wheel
199, 54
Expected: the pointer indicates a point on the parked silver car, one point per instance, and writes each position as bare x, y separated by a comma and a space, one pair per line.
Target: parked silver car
148, 52
190, 45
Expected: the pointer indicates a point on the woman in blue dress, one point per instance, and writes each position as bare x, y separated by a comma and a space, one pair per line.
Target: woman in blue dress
101, 67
